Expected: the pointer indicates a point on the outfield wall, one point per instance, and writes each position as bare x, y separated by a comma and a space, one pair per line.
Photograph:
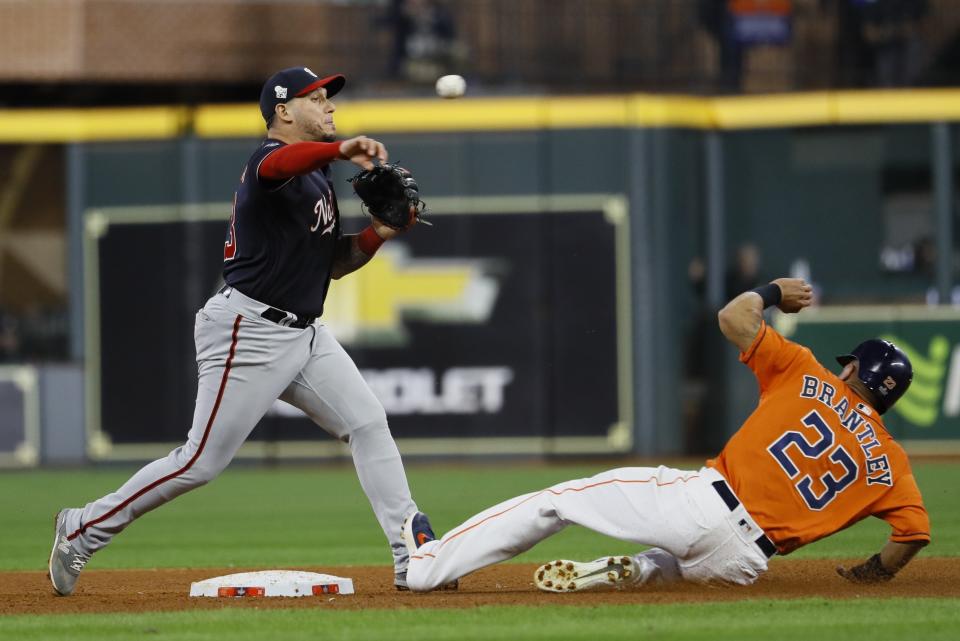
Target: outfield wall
832, 181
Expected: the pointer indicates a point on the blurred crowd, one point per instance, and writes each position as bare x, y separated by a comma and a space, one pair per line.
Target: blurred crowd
36, 335
879, 43
211, 51
424, 40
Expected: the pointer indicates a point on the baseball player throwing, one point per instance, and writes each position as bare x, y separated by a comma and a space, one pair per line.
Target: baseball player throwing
812, 459
259, 339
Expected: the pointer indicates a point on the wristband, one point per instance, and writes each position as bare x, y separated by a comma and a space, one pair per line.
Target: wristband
369, 241
770, 293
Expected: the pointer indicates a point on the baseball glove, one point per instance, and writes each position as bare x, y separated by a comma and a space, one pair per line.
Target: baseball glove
390, 194
872, 571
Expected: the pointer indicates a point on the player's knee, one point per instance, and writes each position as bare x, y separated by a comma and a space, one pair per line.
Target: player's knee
371, 426
204, 471
193, 470
417, 582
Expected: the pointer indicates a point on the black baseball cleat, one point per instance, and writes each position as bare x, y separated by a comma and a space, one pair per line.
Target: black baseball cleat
417, 531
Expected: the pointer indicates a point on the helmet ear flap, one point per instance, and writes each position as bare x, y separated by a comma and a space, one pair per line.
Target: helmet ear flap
885, 370
845, 359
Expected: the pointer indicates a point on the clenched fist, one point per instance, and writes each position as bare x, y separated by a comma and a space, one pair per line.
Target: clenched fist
795, 294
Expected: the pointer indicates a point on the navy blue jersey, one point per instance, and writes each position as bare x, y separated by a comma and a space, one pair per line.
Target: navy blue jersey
282, 235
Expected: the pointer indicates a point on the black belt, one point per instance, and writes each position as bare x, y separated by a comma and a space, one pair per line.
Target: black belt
287, 319
280, 317
766, 545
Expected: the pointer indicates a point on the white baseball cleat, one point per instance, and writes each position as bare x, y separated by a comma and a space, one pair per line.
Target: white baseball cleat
572, 576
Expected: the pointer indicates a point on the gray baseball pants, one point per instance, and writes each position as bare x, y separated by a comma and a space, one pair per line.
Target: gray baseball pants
245, 363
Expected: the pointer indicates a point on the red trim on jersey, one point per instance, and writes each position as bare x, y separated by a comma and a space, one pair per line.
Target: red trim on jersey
369, 241
203, 442
230, 246
298, 159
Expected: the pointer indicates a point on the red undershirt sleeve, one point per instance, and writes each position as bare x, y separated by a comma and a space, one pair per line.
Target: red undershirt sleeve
298, 159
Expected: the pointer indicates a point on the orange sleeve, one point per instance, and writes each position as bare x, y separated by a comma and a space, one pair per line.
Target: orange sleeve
902, 507
770, 356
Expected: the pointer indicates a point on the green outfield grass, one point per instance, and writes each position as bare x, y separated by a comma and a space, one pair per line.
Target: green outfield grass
260, 517
800, 620
256, 517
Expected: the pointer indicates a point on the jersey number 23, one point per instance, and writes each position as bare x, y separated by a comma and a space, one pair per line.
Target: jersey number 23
821, 445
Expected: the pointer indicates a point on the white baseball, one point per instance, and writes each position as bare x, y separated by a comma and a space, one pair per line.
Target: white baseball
452, 86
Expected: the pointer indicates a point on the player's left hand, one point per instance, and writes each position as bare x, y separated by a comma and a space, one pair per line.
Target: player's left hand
795, 294
361, 151
872, 571
384, 230
392, 198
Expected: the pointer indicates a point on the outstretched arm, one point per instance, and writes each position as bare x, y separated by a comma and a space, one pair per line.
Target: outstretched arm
883, 566
740, 319
301, 158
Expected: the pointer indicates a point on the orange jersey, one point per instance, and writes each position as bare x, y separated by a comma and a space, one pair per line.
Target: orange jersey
813, 458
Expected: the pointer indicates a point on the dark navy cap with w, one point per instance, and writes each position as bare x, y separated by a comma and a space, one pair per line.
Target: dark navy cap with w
294, 82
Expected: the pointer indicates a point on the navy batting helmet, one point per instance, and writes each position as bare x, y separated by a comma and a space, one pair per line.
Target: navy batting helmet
884, 369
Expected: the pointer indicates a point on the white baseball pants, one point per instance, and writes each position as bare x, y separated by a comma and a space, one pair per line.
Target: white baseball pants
695, 534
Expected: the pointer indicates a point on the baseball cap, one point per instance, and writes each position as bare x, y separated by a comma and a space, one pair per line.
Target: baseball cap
292, 83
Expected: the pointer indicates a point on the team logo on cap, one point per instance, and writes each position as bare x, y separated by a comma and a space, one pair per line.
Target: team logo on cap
281, 92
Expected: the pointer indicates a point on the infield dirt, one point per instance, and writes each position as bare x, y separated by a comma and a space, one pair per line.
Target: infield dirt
509, 584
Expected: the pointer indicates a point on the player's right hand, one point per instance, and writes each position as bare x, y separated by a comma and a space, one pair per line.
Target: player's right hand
795, 294
362, 151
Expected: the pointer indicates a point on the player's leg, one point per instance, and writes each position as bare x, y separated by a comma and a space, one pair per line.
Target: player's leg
496, 534
656, 566
244, 364
331, 391
640, 505
728, 551
700, 537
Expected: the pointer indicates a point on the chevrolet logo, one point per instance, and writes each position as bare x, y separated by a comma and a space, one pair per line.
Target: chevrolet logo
370, 305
